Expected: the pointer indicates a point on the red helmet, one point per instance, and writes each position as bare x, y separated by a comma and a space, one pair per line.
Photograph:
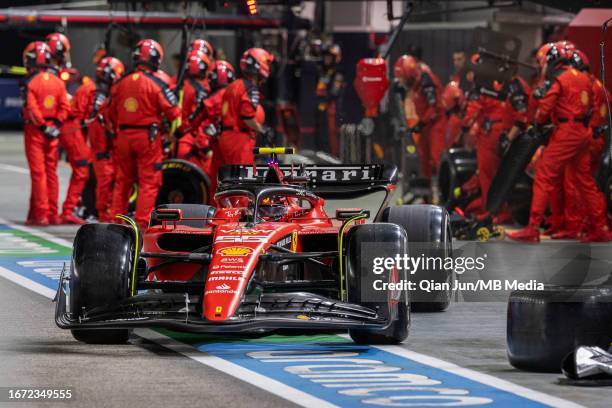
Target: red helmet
202, 45
453, 96
568, 45
542, 52
255, 62
59, 45
580, 61
198, 64
407, 68
148, 52
109, 69
36, 54
221, 74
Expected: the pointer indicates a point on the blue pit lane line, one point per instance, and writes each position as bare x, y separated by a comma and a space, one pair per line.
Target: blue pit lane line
316, 372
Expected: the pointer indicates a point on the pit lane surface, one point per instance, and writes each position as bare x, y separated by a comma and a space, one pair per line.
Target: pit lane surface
164, 371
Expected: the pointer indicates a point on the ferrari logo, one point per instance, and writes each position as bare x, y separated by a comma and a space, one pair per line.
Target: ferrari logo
584, 98
135, 77
46, 76
225, 108
131, 104
603, 109
49, 101
218, 309
65, 76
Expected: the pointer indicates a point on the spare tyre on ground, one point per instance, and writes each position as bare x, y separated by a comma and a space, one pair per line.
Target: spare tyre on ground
545, 326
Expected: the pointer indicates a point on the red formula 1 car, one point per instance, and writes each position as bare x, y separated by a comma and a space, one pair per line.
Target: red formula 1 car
268, 256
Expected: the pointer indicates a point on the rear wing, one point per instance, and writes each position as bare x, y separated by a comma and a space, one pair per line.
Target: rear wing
325, 180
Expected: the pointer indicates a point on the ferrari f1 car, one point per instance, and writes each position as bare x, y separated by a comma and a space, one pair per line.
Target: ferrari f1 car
268, 256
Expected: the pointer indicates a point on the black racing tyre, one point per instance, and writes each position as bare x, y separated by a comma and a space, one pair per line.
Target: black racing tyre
511, 168
607, 190
457, 165
544, 326
189, 211
100, 275
363, 244
183, 183
88, 196
519, 200
429, 235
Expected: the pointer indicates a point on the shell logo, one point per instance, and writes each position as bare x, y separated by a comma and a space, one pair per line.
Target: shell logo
46, 76
65, 76
49, 101
131, 104
135, 77
584, 98
235, 251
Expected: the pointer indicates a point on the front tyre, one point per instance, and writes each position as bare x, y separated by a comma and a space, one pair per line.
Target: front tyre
100, 274
364, 244
429, 235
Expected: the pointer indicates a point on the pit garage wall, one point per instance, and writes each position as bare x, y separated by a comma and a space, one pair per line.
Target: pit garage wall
437, 40
84, 42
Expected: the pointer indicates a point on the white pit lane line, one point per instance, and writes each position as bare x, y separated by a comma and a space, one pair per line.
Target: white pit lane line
275, 387
14, 169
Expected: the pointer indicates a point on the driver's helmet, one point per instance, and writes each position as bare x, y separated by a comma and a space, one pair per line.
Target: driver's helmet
272, 209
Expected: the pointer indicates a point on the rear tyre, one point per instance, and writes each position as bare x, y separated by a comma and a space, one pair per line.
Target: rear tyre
100, 276
183, 182
364, 243
545, 326
428, 230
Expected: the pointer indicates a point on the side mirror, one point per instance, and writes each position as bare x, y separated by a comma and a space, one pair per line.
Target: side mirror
168, 214
345, 214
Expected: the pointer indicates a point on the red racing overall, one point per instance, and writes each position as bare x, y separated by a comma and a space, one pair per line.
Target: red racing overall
137, 104
90, 105
428, 105
194, 145
569, 101
79, 155
46, 103
237, 140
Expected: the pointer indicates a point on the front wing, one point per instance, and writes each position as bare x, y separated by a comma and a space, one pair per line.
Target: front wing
268, 311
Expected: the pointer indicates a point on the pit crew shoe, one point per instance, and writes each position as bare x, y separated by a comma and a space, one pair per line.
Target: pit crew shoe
565, 234
552, 230
555, 225
72, 219
42, 222
55, 220
528, 234
598, 235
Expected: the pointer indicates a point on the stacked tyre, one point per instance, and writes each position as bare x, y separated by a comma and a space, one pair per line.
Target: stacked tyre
543, 327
